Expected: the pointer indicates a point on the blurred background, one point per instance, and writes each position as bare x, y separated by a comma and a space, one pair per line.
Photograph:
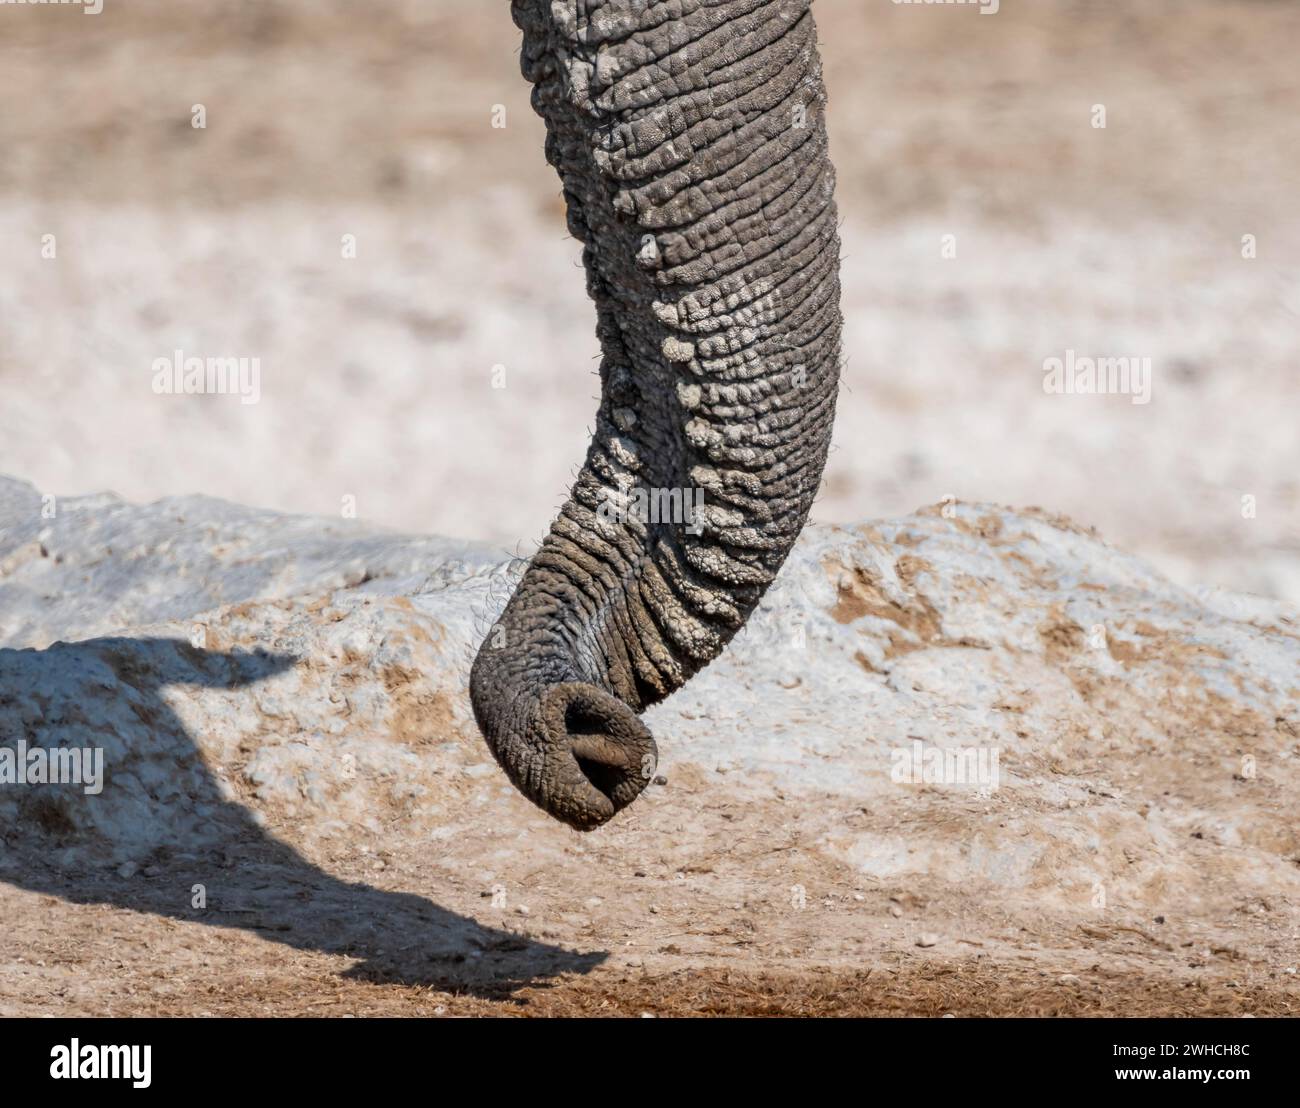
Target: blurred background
374, 119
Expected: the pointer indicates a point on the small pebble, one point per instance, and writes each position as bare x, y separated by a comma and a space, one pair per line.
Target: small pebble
927, 938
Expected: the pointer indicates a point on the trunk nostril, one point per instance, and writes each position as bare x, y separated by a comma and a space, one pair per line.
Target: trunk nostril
604, 761
605, 778
600, 740
580, 721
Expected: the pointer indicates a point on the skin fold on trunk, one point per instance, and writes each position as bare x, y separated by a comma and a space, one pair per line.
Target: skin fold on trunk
690, 140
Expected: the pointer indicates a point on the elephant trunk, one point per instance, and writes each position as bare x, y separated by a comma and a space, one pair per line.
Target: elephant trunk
690, 140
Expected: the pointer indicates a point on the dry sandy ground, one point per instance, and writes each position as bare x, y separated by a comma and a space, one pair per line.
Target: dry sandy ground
327, 119
687, 930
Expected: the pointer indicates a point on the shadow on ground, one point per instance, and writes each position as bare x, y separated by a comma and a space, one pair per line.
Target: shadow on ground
251, 880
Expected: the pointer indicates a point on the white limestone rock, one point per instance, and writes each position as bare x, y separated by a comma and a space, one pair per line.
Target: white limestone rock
247, 669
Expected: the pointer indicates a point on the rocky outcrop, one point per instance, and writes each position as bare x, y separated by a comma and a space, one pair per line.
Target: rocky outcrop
991, 706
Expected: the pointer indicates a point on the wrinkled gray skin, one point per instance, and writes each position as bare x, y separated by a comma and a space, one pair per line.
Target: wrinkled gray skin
690, 140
